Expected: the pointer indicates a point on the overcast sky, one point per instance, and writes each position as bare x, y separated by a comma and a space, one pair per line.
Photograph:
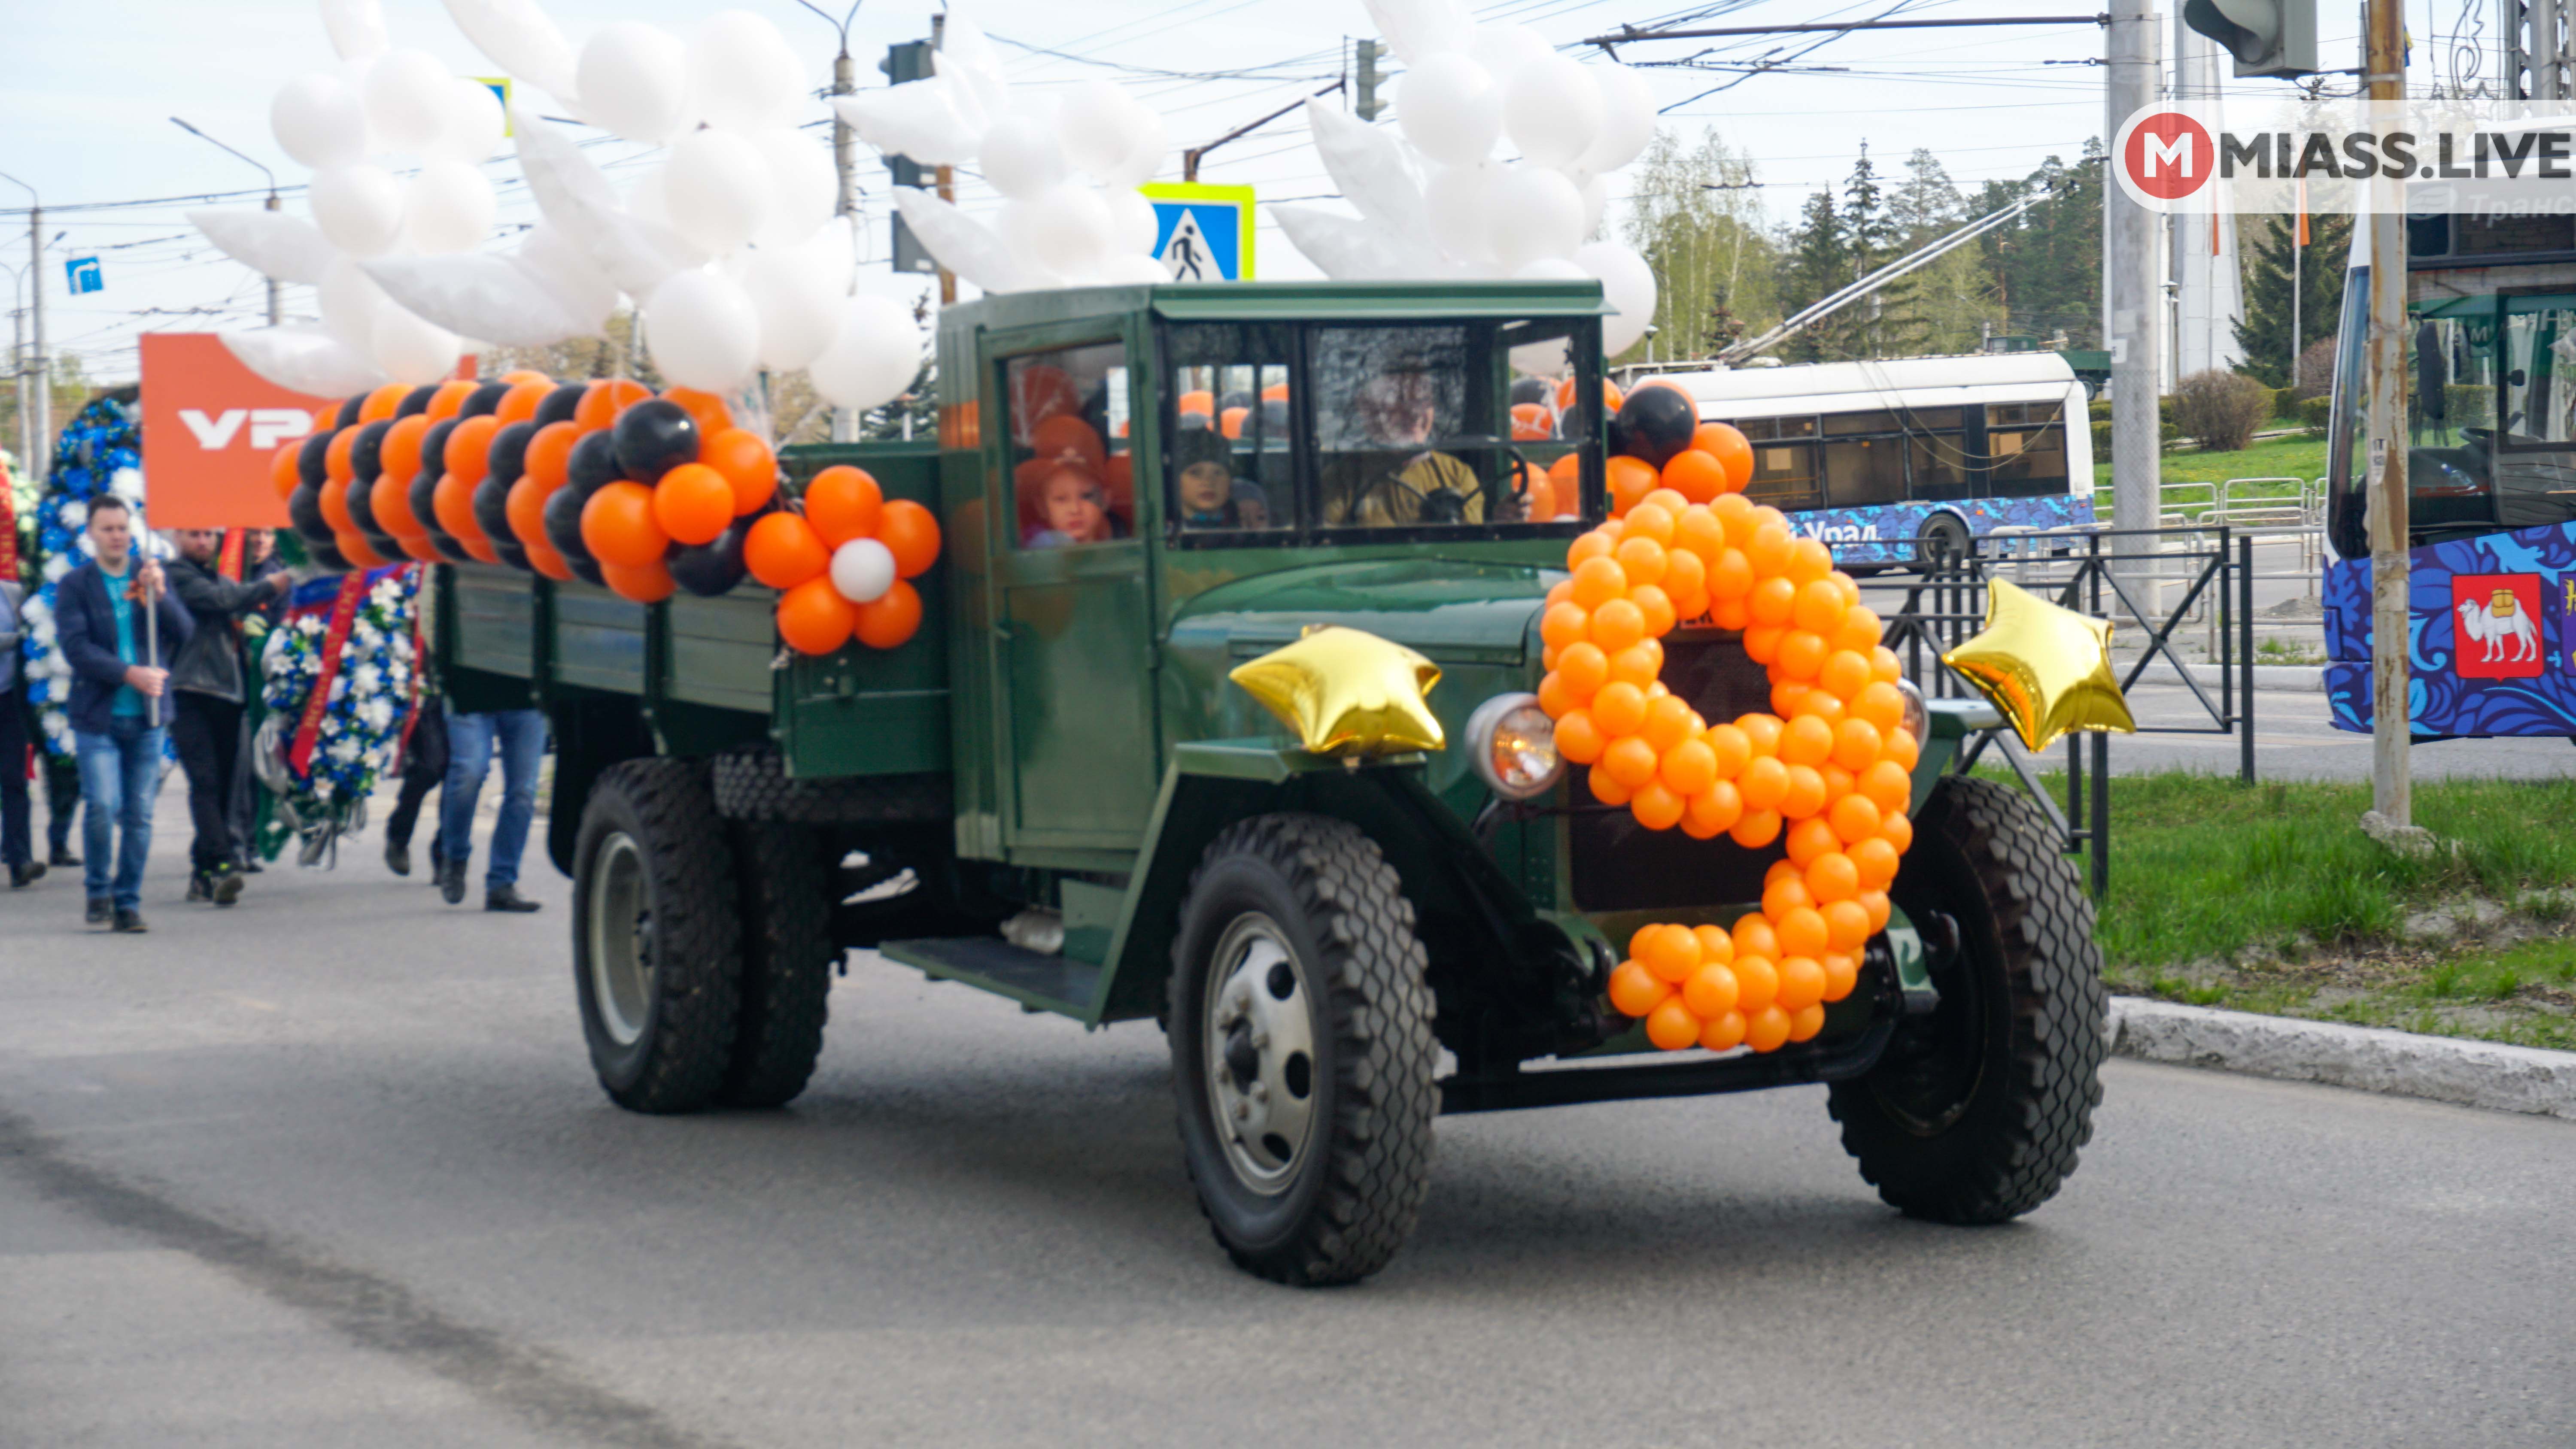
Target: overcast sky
91, 85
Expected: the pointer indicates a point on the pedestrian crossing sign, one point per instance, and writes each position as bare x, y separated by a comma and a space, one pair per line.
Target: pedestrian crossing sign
1202, 233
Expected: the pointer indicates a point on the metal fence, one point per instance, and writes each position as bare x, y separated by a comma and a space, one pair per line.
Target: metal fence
2117, 574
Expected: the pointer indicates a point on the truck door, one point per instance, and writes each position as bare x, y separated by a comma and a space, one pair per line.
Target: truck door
1078, 759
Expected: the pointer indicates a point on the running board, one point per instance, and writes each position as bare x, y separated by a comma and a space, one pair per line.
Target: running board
989, 963
1745, 1072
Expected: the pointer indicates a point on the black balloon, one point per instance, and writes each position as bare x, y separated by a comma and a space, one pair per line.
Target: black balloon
593, 463
653, 437
1655, 423
328, 555
714, 567
1274, 416
492, 509
433, 445
484, 399
349, 407
1235, 399
313, 460
304, 507
558, 405
586, 569
512, 554
1529, 390
508, 456
424, 507
415, 401
367, 454
563, 521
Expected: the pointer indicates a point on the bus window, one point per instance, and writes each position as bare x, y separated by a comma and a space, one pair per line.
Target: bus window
2539, 367
1864, 471
2027, 445
1837, 424
1784, 474
1940, 466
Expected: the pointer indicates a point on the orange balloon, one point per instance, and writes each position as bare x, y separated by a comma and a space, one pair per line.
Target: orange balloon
419, 547
1635, 991
704, 408
618, 527
284, 469
519, 376
782, 550
453, 503
1734, 454
353, 547
605, 399
814, 619
553, 565
527, 510
694, 503
326, 417
891, 618
335, 506
391, 503
1198, 400
843, 503
1672, 1027
549, 456
1609, 395
335, 456
448, 399
1531, 423
1542, 493
469, 449
1566, 474
519, 404
1631, 479
746, 462
911, 533
381, 403
649, 584
1695, 475
400, 452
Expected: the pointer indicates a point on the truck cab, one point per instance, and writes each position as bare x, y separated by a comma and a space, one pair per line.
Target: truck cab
1055, 793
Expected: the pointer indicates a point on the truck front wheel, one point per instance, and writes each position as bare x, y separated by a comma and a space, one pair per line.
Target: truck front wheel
1302, 1050
657, 948
1976, 1112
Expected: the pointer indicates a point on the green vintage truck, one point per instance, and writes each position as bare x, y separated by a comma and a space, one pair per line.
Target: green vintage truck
1054, 793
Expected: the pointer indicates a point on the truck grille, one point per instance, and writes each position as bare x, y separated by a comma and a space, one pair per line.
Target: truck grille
1619, 865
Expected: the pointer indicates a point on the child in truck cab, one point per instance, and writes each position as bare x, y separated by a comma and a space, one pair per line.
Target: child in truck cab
1073, 507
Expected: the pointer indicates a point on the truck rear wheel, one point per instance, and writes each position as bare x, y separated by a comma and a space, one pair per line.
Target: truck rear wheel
1302, 1050
785, 890
1976, 1112
657, 948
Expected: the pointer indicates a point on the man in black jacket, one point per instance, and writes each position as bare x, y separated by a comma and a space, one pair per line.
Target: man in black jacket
119, 628
206, 689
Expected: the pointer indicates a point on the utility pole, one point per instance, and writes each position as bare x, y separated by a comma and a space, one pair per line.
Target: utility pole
1365, 102
2130, 302
2384, 71
947, 174
845, 162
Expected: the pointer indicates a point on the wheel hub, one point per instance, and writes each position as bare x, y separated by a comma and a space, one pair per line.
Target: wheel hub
621, 940
1261, 1054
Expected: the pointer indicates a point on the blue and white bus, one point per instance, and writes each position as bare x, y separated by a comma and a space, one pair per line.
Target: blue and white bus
1904, 461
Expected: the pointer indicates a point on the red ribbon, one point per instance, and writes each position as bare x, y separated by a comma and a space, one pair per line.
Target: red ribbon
8, 530
229, 562
335, 641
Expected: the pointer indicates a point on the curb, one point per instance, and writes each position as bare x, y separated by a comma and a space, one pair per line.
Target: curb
2436, 1068
2270, 678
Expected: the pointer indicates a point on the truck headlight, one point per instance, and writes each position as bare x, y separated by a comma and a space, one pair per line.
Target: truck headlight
1514, 746
1916, 716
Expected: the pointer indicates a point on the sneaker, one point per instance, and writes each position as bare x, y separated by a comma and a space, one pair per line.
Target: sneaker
201, 886
398, 856
60, 856
22, 876
228, 886
130, 923
451, 881
100, 907
507, 898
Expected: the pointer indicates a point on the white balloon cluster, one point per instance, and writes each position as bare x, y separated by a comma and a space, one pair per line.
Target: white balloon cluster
1443, 202
1067, 167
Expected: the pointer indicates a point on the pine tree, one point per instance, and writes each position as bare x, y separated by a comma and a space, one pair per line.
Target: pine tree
2266, 247
1819, 262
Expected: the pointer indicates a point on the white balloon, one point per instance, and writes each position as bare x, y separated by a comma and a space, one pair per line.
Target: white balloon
408, 98
474, 123
1552, 110
1134, 269
1532, 212
797, 297
1551, 269
412, 351
646, 201
1627, 118
634, 80
1152, 142
448, 207
1021, 157
350, 301
718, 188
875, 356
862, 570
1596, 200
1628, 285
702, 330
356, 28
741, 73
320, 120
1067, 229
803, 185
1503, 49
359, 207
1455, 197
1132, 224
574, 280
1450, 109
1098, 125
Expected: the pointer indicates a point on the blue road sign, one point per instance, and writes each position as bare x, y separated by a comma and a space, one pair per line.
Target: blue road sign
84, 275
1203, 233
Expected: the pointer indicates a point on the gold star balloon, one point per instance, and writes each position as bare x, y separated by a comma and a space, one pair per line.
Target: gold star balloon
2047, 668
1347, 692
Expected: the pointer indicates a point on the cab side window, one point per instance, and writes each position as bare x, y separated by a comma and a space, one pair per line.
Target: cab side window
1071, 470
1231, 451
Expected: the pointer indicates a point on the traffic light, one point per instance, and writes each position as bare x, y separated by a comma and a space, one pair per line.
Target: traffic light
909, 61
2267, 37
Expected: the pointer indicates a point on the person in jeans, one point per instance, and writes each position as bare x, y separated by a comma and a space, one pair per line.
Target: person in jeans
206, 695
106, 613
519, 735
24, 868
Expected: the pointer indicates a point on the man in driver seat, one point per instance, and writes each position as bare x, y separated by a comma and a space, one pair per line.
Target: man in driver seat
1397, 412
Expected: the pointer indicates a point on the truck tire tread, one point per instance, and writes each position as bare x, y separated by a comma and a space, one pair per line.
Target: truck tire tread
787, 961
752, 784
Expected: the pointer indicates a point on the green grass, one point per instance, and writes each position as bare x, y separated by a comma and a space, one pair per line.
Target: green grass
2291, 457
2270, 898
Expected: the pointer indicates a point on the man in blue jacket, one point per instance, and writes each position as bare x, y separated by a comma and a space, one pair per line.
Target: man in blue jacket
119, 628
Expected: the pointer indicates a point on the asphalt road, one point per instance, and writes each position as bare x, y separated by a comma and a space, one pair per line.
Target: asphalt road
329, 1168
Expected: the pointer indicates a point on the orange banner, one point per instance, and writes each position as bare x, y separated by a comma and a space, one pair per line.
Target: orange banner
210, 427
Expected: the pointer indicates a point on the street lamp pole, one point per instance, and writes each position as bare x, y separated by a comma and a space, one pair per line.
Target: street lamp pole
270, 204
845, 161
39, 363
